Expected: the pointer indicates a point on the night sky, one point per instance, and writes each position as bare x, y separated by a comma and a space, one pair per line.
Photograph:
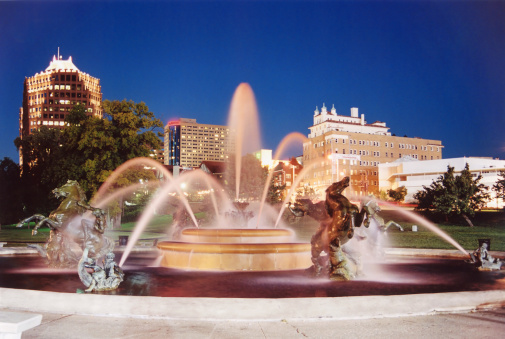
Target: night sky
431, 69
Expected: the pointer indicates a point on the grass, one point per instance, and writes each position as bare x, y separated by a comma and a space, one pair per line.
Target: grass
467, 237
489, 224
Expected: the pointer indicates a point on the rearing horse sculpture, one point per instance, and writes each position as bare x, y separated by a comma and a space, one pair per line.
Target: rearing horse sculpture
337, 217
67, 225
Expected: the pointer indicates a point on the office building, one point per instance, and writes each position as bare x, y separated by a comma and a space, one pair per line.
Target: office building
188, 143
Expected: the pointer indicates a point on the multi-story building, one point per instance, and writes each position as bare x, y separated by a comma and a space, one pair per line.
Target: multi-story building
48, 96
188, 143
340, 146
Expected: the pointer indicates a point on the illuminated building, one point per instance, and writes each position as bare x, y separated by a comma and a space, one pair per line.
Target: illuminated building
188, 143
49, 96
340, 146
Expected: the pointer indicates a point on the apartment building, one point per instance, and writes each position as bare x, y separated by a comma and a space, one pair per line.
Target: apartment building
340, 146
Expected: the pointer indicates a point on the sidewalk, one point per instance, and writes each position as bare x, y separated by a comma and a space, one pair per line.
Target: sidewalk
484, 324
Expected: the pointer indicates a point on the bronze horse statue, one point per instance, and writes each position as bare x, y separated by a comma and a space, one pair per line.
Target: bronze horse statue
69, 224
337, 217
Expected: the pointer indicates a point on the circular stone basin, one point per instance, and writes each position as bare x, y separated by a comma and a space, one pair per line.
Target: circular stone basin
236, 235
235, 250
235, 257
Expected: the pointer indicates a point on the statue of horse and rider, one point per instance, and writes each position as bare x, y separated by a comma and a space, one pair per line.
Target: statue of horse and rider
72, 222
338, 217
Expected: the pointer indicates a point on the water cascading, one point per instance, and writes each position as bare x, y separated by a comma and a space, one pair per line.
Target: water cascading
234, 246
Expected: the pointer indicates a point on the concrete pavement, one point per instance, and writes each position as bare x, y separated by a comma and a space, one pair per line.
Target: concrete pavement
481, 324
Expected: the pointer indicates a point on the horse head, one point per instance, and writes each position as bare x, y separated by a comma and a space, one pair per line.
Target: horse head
70, 189
372, 207
338, 187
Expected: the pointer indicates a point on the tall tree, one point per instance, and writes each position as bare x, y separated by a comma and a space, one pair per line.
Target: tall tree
42, 160
10, 192
128, 130
454, 195
499, 186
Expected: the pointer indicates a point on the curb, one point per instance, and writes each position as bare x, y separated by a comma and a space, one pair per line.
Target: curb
212, 309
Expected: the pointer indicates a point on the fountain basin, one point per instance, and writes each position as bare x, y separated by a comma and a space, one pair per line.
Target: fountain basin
235, 256
236, 235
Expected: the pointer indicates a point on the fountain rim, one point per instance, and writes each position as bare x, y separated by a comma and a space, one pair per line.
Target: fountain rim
236, 248
237, 232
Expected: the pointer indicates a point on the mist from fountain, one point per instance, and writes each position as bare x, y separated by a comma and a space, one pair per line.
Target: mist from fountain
244, 125
243, 122
293, 136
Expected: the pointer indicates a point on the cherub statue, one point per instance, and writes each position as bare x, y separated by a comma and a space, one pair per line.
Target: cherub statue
484, 260
104, 278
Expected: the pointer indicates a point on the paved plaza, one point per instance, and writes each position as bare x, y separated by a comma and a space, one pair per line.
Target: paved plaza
481, 324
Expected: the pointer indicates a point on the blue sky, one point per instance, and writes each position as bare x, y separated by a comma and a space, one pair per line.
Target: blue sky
431, 69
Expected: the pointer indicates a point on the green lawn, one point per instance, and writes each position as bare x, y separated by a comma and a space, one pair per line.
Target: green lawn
488, 225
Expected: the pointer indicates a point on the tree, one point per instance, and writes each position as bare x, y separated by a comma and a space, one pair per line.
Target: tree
87, 150
98, 146
41, 170
276, 193
499, 186
252, 178
10, 192
454, 195
398, 194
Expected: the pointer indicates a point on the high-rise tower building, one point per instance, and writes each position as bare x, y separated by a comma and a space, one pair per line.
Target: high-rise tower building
49, 95
188, 143
340, 146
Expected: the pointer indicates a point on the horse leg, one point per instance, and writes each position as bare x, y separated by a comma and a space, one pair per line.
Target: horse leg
361, 218
392, 223
340, 267
27, 220
317, 245
52, 224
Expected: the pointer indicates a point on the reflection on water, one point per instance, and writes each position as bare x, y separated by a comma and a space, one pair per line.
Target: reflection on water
406, 276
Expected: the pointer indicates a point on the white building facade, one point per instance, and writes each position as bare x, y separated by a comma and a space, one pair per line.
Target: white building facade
414, 174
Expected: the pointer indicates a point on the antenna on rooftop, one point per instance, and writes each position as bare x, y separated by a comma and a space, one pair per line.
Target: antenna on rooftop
59, 54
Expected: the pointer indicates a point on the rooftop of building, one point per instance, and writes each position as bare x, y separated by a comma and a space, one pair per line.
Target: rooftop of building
60, 64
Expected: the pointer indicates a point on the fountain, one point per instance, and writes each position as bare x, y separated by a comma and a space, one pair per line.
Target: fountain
242, 248
252, 255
